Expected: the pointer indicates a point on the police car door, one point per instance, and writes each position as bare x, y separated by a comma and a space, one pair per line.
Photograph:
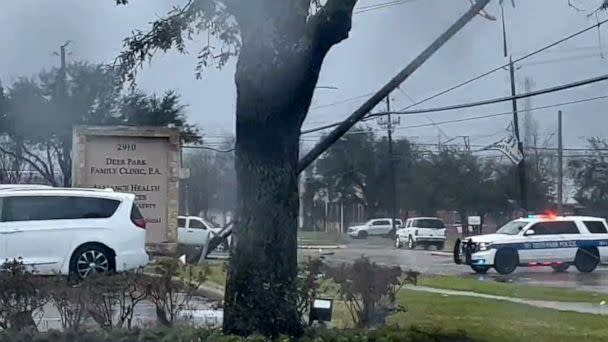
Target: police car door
551, 241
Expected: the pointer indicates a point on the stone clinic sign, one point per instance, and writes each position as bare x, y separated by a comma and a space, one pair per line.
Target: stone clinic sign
142, 161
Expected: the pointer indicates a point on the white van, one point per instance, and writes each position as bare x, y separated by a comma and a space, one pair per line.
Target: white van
76, 232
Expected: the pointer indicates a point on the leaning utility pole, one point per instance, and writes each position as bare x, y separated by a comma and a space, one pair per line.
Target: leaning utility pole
560, 165
521, 167
358, 114
391, 160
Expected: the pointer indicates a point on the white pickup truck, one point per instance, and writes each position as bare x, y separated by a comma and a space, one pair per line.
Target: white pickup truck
423, 231
374, 227
197, 231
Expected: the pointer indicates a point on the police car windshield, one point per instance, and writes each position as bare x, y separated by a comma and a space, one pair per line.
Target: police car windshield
512, 228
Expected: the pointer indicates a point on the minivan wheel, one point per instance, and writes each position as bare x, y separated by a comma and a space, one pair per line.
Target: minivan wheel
587, 259
506, 261
91, 260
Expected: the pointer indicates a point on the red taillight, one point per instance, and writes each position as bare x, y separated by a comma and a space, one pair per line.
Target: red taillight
141, 223
137, 218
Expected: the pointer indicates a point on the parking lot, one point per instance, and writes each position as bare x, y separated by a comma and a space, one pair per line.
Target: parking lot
382, 251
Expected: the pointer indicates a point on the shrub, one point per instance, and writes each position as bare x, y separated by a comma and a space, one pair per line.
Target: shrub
309, 282
111, 300
369, 289
70, 302
172, 289
190, 334
21, 294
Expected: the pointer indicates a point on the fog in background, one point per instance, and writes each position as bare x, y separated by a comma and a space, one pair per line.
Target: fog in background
382, 41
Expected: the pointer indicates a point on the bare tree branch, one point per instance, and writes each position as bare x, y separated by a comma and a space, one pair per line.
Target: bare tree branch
43, 172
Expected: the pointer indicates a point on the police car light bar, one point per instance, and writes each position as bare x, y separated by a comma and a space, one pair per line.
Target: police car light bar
545, 216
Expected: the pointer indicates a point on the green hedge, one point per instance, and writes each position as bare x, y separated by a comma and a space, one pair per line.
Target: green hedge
189, 334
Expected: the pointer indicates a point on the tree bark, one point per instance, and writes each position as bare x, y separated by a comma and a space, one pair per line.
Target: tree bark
279, 63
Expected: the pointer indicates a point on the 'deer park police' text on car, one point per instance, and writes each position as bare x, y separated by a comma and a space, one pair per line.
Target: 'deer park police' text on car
539, 240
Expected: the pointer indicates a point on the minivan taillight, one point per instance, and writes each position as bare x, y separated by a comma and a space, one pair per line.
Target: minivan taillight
137, 218
141, 223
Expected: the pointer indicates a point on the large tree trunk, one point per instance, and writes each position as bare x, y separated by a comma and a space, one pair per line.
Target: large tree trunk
261, 295
278, 69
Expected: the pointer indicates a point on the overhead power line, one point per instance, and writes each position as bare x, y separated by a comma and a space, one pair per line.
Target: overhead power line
504, 98
478, 103
381, 6
208, 148
546, 47
472, 118
478, 77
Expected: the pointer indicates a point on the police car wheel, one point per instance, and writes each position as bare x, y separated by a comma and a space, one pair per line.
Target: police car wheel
410, 243
506, 261
587, 259
560, 268
480, 269
457, 260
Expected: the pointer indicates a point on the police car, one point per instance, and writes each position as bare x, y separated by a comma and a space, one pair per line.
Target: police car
538, 240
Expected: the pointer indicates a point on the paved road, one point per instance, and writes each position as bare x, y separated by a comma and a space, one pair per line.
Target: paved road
382, 251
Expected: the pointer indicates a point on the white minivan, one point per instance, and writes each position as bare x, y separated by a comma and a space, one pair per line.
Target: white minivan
77, 232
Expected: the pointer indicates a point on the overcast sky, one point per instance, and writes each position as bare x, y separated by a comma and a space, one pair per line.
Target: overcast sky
381, 42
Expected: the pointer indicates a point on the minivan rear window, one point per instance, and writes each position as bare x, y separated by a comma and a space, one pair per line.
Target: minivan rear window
40, 208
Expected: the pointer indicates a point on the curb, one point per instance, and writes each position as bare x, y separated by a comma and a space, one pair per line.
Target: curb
322, 247
443, 254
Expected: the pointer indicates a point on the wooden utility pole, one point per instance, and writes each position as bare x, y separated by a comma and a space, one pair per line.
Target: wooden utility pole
560, 165
521, 167
381, 94
391, 161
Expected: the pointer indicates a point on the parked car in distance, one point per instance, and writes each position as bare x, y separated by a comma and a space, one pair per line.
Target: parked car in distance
421, 231
374, 227
192, 231
76, 232
196, 231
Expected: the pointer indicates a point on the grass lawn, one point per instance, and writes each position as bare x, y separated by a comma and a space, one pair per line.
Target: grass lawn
492, 287
493, 320
216, 274
321, 238
485, 319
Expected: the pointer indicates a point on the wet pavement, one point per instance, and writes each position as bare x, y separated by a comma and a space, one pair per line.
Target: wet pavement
382, 251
